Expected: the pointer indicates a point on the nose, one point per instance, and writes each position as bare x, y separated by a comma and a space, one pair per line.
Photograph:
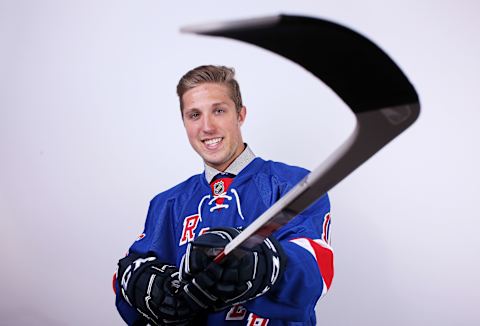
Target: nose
208, 124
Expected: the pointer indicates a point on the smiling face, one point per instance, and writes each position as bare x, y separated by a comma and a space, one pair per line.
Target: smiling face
213, 124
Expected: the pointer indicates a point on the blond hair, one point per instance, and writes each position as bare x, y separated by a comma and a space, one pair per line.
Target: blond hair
211, 74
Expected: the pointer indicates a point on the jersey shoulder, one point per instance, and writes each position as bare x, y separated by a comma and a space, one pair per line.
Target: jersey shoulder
183, 189
285, 173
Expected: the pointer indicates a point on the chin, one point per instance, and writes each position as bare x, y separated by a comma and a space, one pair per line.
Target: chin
213, 163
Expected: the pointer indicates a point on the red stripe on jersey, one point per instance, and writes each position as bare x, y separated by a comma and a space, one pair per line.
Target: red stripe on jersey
326, 228
114, 282
324, 258
323, 255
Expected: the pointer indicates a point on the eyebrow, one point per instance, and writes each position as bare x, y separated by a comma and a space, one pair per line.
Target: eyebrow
186, 110
219, 103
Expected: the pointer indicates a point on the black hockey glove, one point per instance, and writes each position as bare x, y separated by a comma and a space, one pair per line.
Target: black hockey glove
153, 288
241, 276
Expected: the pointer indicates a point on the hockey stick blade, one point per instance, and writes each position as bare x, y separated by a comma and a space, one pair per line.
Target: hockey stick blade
383, 100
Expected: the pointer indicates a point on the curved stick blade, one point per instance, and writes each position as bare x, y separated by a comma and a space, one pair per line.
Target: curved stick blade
383, 100
361, 74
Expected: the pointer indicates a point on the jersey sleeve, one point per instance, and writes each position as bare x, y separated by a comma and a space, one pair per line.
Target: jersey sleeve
309, 269
158, 222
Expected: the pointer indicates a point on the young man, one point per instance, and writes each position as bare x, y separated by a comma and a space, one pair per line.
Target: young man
168, 277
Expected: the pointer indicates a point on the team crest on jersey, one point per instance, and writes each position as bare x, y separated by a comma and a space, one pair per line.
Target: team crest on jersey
190, 223
218, 188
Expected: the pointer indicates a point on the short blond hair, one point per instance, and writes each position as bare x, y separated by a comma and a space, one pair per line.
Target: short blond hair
211, 74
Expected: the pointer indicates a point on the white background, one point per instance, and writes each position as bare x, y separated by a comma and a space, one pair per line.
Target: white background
90, 131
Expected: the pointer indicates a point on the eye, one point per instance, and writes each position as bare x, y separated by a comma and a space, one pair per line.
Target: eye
193, 115
219, 110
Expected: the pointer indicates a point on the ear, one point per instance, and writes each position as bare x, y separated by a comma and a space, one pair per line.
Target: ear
242, 115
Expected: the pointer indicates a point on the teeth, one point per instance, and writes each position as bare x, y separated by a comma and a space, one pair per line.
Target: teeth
212, 141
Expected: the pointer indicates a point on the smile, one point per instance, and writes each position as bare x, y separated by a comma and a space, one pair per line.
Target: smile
213, 141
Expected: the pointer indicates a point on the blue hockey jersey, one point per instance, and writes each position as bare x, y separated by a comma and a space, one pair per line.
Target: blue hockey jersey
180, 214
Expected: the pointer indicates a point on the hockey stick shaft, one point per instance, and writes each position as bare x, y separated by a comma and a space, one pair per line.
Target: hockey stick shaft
360, 146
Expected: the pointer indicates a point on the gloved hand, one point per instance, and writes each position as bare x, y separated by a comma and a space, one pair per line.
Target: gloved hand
154, 289
243, 275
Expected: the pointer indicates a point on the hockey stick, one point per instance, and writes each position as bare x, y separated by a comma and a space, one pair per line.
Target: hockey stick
360, 73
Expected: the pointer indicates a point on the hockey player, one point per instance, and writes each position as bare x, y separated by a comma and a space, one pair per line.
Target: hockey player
169, 277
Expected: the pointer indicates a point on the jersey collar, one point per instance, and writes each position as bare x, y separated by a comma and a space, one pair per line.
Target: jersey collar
245, 158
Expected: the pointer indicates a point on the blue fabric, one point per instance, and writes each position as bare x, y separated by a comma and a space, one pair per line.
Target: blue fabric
253, 191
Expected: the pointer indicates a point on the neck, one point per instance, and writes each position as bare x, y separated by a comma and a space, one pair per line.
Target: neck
225, 165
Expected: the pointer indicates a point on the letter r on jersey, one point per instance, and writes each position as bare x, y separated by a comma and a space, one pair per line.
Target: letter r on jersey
190, 223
